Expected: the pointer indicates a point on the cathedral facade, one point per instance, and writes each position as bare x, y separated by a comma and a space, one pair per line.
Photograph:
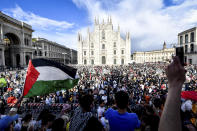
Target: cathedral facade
104, 46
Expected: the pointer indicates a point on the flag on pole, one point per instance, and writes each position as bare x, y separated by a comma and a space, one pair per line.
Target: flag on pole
46, 76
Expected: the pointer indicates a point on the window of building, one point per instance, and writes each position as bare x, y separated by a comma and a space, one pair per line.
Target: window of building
181, 40
186, 38
114, 44
122, 51
84, 52
103, 34
45, 47
103, 46
186, 48
190, 61
185, 57
92, 52
122, 61
92, 62
85, 62
26, 41
40, 53
103, 60
192, 37
192, 48
92, 45
114, 61
114, 52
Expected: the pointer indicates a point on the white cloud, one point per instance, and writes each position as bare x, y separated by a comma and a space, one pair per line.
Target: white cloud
50, 29
37, 21
149, 21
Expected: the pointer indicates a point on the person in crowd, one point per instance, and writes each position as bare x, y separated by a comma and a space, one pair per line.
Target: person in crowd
101, 109
120, 119
47, 121
7, 122
58, 125
83, 118
146, 84
26, 123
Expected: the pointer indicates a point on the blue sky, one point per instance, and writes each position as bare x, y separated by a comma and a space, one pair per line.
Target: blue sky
150, 22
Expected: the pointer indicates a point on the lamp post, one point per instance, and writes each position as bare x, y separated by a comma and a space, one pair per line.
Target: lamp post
64, 57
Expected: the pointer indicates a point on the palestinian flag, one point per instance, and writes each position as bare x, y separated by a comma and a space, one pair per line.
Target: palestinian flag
46, 76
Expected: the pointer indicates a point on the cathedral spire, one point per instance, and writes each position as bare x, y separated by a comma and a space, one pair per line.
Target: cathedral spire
95, 21
79, 37
118, 28
164, 45
110, 20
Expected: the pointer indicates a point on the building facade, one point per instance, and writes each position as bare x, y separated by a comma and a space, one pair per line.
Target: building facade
104, 46
187, 39
16, 46
15, 42
163, 55
54, 51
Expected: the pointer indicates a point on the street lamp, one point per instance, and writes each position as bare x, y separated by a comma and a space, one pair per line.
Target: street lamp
64, 57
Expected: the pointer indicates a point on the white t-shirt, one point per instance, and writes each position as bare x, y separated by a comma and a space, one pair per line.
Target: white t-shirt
104, 98
101, 92
100, 111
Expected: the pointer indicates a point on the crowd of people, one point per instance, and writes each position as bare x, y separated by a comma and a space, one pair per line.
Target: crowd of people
115, 98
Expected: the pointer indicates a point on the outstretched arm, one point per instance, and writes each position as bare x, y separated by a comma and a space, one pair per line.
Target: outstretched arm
170, 119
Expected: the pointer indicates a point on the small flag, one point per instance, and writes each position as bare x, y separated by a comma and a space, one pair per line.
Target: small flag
46, 76
191, 95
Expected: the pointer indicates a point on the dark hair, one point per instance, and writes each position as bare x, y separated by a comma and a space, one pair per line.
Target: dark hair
93, 125
101, 101
86, 102
157, 102
47, 118
122, 99
58, 125
27, 117
42, 114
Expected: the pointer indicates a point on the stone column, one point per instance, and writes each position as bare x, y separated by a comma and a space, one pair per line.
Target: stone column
71, 57
1, 31
23, 35
21, 59
24, 60
3, 57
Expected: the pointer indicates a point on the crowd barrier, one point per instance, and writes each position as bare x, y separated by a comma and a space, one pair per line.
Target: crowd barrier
36, 108
54, 104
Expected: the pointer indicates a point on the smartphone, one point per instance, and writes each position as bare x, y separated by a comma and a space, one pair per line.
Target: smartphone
180, 54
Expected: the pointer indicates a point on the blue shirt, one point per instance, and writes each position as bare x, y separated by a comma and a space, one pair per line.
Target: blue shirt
122, 122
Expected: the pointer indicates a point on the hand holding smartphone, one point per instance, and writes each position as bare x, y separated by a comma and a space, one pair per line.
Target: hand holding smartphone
180, 54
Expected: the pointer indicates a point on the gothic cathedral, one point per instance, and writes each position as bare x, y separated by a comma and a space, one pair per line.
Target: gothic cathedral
104, 46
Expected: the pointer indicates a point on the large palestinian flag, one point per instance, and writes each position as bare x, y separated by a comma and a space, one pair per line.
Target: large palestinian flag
46, 76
